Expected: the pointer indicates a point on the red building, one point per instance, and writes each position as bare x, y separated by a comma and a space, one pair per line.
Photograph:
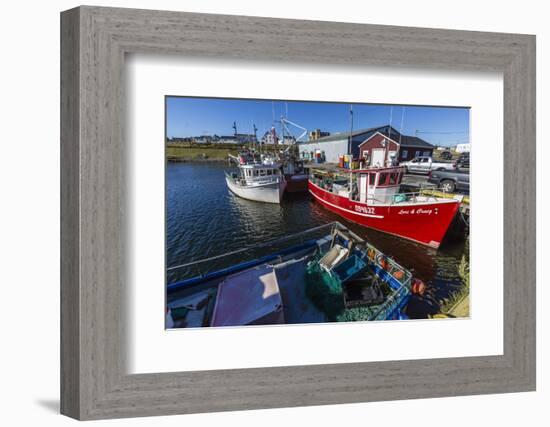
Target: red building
381, 147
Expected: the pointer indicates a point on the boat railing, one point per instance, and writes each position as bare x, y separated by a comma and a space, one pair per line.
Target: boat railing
228, 262
389, 265
411, 197
391, 199
263, 180
398, 277
397, 198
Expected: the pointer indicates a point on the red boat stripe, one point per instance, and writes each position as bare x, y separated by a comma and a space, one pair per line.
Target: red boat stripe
344, 209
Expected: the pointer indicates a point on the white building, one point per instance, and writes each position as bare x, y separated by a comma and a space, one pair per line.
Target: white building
463, 148
270, 137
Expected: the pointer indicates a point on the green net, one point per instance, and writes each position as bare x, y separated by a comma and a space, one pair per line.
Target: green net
324, 290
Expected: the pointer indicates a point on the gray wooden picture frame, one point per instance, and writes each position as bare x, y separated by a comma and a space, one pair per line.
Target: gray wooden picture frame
94, 41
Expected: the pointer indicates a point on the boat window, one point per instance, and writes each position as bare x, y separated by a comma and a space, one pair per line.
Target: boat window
372, 178
255, 172
262, 172
393, 178
248, 172
269, 172
382, 179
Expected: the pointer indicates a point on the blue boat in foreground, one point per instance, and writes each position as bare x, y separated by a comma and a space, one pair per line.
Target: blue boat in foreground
325, 274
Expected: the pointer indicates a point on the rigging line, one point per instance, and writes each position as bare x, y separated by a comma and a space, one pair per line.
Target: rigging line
442, 133
401, 128
391, 117
261, 245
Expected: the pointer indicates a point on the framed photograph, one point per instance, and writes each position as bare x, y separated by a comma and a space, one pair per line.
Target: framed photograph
262, 213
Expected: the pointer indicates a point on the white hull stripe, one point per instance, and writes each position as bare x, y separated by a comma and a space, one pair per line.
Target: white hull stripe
344, 209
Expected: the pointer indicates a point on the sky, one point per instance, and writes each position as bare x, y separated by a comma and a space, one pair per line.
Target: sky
215, 116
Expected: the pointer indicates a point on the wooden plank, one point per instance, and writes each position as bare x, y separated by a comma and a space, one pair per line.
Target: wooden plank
70, 219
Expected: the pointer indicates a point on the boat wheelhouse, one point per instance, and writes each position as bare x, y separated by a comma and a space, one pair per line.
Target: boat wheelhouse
257, 181
371, 197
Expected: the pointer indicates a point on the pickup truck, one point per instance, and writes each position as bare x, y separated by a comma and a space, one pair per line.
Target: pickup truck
449, 182
425, 164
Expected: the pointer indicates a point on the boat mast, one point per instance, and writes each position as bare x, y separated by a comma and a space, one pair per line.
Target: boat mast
350, 128
350, 148
387, 144
255, 135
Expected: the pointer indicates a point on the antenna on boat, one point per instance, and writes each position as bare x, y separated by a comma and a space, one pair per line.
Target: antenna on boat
350, 128
282, 123
401, 128
388, 142
255, 134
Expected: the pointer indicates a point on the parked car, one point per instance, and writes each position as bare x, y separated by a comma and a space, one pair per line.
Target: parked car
463, 161
450, 181
446, 155
425, 164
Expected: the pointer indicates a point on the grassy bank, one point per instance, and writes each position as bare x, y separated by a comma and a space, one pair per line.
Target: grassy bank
202, 152
206, 152
458, 304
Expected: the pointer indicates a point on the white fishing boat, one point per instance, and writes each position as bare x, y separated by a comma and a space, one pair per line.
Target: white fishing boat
257, 181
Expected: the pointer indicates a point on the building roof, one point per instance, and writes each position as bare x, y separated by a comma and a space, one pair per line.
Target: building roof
408, 141
344, 135
386, 130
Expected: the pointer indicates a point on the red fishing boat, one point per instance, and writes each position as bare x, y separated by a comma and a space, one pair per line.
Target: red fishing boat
370, 197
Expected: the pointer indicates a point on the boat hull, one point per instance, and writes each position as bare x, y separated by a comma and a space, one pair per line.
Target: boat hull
424, 223
296, 183
267, 193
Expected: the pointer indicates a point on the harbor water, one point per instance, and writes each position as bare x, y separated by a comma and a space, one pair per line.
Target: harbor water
204, 220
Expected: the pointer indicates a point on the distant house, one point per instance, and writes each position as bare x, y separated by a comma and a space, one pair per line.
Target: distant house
463, 148
244, 138
227, 139
270, 137
203, 139
288, 140
400, 147
337, 144
317, 133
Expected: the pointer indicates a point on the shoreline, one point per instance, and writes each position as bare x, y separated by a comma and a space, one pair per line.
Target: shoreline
194, 160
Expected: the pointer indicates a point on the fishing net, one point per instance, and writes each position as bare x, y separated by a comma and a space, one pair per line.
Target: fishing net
324, 290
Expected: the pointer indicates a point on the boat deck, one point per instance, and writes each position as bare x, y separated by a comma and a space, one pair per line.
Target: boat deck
297, 307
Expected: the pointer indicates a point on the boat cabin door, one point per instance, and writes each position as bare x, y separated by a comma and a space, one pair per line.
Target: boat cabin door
363, 187
367, 188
